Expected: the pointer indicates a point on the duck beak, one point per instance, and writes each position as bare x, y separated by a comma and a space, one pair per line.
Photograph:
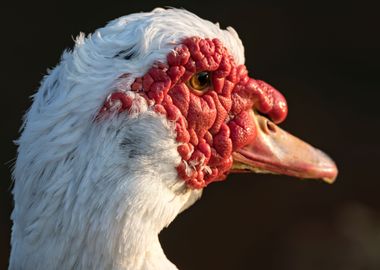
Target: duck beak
276, 151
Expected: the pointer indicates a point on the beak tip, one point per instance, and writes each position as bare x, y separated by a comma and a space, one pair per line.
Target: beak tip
329, 180
330, 175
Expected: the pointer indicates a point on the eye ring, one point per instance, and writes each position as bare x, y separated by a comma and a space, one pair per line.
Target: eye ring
200, 82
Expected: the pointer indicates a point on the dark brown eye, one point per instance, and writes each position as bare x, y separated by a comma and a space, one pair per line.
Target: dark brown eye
200, 81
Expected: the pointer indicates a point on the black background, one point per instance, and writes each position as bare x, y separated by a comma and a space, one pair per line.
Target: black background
322, 55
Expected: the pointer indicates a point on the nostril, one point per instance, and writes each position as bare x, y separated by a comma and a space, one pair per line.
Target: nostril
270, 126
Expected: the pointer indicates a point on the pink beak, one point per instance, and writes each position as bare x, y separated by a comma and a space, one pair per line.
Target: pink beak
276, 151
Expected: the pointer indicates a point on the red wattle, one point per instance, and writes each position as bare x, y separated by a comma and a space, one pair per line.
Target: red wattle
211, 125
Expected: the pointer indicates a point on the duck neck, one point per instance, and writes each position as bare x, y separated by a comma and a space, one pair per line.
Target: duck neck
138, 245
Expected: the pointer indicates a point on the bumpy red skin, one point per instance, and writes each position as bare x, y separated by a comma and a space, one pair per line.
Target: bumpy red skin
209, 126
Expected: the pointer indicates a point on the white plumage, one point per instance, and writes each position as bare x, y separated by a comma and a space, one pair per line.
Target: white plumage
79, 203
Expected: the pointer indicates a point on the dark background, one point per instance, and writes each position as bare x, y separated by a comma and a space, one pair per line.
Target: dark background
322, 55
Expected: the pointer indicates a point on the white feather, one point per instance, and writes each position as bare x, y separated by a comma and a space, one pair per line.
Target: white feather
95, 194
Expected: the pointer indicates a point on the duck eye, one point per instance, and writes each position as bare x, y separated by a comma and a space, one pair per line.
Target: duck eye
200, 81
